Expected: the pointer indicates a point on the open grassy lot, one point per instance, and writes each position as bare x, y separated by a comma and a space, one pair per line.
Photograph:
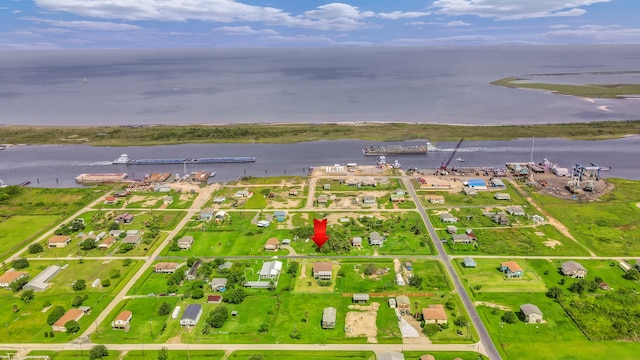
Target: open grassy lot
470, 217
538, 240
29, 324
296, 355
608, 226
488, 276
16, 200
444, 355
99, 220
588, 90
18, 231
73, 355
608, 270
175, 354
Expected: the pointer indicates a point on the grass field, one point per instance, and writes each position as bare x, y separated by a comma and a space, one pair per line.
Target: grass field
296, 355
73, 355
43, 201
17, 231
489, 277
443, 355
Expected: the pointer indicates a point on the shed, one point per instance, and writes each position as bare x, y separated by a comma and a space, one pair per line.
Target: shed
329, 318
531, 313
191, 315
360, 298
356, 241
214, 299
468, 262
392, 303
502, 196
477, 184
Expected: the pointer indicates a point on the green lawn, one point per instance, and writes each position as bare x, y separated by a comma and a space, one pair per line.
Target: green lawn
490, 279
443, 355
175, 354
296, 355
483, 198
17, 231
43, 201
73, 355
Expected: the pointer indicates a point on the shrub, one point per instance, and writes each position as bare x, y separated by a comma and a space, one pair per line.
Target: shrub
164, 309
20, 263
79, 285
35, 248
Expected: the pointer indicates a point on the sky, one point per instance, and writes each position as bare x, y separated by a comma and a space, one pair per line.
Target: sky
52, 24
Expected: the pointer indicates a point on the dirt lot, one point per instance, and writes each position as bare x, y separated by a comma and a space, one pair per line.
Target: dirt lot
363, 321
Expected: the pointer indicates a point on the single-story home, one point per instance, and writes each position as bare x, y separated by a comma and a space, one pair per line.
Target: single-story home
452, 229
110, 200
270, 269
511, 269
436, 199
9, 277
59, 241
360, 298
185, 242
531, 313
122, 321
516, 210
293, 192
356, 241
396, 198
167, 200
218, 284
502, 196
166, 267
329, 318
573, 269
162, 188
323, 199
219, 199
462, 239
369, 200
537, 219
448, 218
375, 239
469, 191
272, 244
72, 314
497, 183
132, 239
124, 218
434, 314
322, 270
241, 193
107, 243
191, 315
206, 214
468, 262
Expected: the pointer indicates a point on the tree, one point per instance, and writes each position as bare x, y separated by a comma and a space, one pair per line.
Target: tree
124, 248
370, 269
579, 286
293, 268
72, 327
127, 262
114, 226
164, 309
114, 274
554, 293
264, 327
218, 316
35, 248
27, 296
415, 281
450, 304
19, 284
632, 274
20, 263
235, 296
197, 293
461, 321
106, 283
431, 329
79, 285
77, 301
98, 352
88, 244
192, 260
509, 317
55, 314
163, 354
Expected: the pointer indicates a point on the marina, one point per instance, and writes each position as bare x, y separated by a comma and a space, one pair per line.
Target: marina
125, 160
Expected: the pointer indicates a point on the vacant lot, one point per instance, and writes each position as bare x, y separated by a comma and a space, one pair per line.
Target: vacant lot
17, 231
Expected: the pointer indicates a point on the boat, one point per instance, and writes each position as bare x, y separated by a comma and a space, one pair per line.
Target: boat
460, 160
124, 159
396, 149
2, 184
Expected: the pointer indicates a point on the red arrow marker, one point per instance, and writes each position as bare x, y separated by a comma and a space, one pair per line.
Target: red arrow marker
320, 232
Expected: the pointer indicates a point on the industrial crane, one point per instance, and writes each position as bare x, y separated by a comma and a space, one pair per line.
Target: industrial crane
445, 165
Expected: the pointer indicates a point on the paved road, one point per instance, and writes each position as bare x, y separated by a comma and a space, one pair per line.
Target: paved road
485, 340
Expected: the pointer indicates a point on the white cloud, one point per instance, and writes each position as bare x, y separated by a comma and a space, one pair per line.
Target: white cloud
299, 39
559, 26
85, 25
456, 23
395, 15
416, 23
514, 9
243, 30
337, 10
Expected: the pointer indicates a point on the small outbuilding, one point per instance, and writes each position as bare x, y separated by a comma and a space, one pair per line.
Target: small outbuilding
329, 318
360, 298
468, 262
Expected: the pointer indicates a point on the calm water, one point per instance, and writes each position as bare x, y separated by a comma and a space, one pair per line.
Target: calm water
57, 166
219, 86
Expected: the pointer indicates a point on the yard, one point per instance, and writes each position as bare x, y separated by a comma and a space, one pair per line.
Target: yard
488, 277
18, 231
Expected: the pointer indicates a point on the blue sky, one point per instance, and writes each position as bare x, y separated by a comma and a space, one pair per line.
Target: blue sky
45, 24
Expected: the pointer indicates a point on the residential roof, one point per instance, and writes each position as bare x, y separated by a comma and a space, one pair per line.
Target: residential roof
468, 259
40, 281
186, 239
191, 312
124, 316
272, 241
390, 355
271, 268
108, 240
375, 236
166, 266
572, 266
132, 239
12, 276
322, 266
59, 239
220, 282
72, 314
511, 265
434, 312
226, 265
329, 314
214, 298
403, 300
446, 216
529, 309
361, 297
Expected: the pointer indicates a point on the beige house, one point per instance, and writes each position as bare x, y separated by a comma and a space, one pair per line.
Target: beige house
271, 244
72, 314
434, 314
166, 267
185, 242
107, 243
322, 270
436, 199
8, 278
531, 313
122, 321
59, 241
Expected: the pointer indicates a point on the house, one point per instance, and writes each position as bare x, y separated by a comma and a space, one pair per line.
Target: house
329, 318
531, 313
573, 269
322, 270
624, 265
434, 314
9, 277
107, 243
323, 199
219, 199
356, 241
214, 299
115, 233
218, 284
40, 282
392, 303
270, 270
241, 193
497, 183
271, 244
121, 193
293, 192
167, 200
396, 198
110, 200
436, 199
469, 191
192, 273
124, 218
537, 219
132, 232
400, 192
468, 262
360, 298
502, 196
400, 280
511, 269
369, 181
72, 314
408, 266
279, 215
390, 355
452, 229
185, 242
369, 200
132, 240
206, 214
477, 184
191, 315
326, 187
59, 241
375, 239
122, 321
604, 286
220, 215
226, 266
515, 210
166, 267
462, 239
448, 218
403, 303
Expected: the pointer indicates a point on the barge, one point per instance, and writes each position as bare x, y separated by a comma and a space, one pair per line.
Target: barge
396, 149
125, 160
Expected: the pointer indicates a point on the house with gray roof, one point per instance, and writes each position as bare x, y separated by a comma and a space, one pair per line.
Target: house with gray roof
573, 269
191, 315
375, 239
531, 313
329, 318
